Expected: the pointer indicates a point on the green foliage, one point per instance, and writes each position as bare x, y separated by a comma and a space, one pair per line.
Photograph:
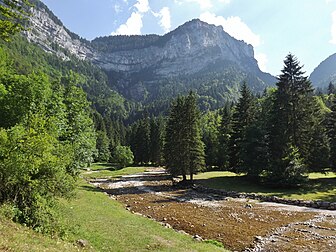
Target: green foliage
122, 156
292, 117
243, 116
184, 149
102, 146
291, 171
33, 173
12, 15
46, 134
225, 131
320, 186
140, 140
331, 127
210, 136
156, 140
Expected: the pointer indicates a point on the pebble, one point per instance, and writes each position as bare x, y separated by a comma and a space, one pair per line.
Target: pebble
82, 243
198, 238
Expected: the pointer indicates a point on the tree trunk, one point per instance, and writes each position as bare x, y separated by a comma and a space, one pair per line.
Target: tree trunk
184, 177
191, 177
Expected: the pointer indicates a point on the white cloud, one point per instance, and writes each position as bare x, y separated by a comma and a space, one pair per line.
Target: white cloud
224, 1
142, 6
333, 28
134, 23
204, 4
262, 61
329, 1
165, 18
233, 26
132, 26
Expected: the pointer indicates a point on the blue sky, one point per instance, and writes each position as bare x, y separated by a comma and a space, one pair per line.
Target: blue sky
306, 28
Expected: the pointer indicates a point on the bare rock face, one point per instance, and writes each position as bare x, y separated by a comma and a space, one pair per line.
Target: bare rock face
144, 68
49, 33
184, 51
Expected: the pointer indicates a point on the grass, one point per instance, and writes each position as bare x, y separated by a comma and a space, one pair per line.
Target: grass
103, 222
109, 227
319, 187
15, 237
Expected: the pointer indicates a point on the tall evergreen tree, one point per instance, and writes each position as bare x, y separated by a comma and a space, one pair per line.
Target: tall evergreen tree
224, 131
331, 88
156, 140
210, 136
291, 119
184, 149
140, 140
332, 134
243, 116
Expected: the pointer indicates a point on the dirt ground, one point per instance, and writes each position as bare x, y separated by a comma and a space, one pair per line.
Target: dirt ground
240, 224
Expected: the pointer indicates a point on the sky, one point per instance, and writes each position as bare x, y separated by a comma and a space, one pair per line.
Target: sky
306, 28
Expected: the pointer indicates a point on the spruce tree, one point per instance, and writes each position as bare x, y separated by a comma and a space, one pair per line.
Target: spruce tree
243, 116
331, 88
332, 134
292, 119
156, 140
184, 149
225, 130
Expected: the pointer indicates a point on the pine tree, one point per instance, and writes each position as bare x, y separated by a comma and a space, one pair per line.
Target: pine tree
291, 122
243, 116
173, 148
332, 134
140, 140
156, 140
184, 149
210, 136
331, 89
225, 131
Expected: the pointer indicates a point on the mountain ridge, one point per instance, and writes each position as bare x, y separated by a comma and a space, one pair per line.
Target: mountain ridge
135, 63
325, 72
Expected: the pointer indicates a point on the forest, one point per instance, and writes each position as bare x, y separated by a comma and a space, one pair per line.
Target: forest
58, 117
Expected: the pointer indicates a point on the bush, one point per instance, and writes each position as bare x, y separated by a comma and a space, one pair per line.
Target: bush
33, 175
122, 156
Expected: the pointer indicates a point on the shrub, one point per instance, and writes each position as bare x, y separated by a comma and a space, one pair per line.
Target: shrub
122, 156
33, 174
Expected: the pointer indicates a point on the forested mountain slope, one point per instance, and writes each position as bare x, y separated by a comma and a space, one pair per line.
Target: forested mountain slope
325, 72
152, 68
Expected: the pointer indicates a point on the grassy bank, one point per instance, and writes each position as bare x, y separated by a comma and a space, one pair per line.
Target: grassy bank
319, 187
15, 237
91, 215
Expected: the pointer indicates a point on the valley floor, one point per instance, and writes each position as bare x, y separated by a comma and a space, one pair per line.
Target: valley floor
240, 224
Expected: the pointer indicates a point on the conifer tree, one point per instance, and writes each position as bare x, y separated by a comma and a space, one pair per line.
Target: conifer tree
225, 131
291, 122
332, 134
156, 140
243, 116
331, 88
184, 149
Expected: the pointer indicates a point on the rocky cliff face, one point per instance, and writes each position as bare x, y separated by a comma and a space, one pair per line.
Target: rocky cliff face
184, 51
47, 31
150, 67
325, 72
